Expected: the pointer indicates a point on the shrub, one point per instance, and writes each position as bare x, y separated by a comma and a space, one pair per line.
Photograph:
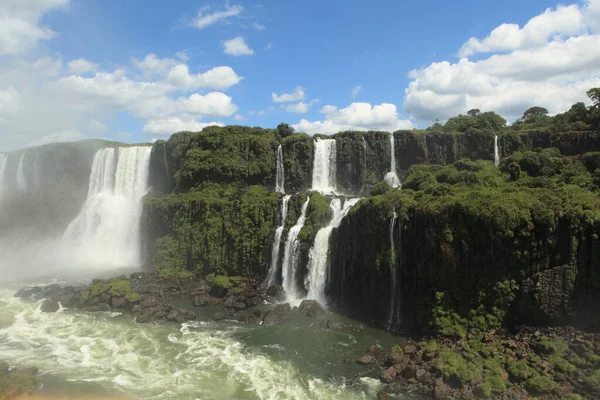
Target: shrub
540, 385
222, 281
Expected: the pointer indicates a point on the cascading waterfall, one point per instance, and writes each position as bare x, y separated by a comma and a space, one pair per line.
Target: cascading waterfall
272, 275
318, 264
21, 179
393, 273
3, 161
496, 151
280, 178
392, 177
324, 166
290, 255
106, 231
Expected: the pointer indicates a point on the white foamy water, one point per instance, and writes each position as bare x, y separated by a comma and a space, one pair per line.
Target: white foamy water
318, 264
324, 166
393, 273
106, 231
280, 177
21, 178
290, 256
3, 161
496, 151
152, 361
392, 177
275, 250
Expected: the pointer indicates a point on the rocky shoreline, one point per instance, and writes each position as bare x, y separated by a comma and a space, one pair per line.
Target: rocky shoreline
546, 364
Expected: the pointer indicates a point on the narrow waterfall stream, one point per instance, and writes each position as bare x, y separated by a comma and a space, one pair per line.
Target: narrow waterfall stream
275, 250
290, 255
392, 177
496, 151
324, 166
318, 265
280, 177
393, 274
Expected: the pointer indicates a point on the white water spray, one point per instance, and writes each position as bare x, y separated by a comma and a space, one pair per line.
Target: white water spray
291, 253
318, 265
21, 179
496, 151
392, 177
393, 273
324, 166
280, 178
106, 231
3, 162
272, 275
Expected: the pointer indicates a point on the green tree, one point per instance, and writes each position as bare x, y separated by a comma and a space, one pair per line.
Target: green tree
533, 112
594, 95
285, 130
474, 112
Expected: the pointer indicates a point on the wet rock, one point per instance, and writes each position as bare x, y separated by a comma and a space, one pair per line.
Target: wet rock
235, 303
409, 372
27, 293
382, 396
160, 314
388, 375
218, 316
422, 375
366, 360
201, 300
336, 325
117, 302
395, 358
409, 349
50, 306
275, 291
311, 308
278, 314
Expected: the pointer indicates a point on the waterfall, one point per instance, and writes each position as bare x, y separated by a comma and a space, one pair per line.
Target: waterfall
393, 273
280, 178
36, 171
392, 177
106, 231
318, 265
496, 151
21, 179
272, 275
3, 161
324, 166
290, 255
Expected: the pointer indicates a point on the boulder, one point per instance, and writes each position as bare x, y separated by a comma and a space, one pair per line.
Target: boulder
275, 291
366, 360
336, 325
218, 316
395, 358
201, 300
27, 293
311, 308
278, 314
117, 301
50, 306
388, 375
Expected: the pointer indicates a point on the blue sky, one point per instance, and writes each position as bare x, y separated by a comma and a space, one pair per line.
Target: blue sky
135, 70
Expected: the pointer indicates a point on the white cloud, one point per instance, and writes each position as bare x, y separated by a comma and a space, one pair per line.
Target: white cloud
592, 15
269, 46
81, 66
218, 78
543, 68
20, 28
357, 116
96, 126
239, 117
42, 96
237, 47
258, 27
356, 91
206, 18
152, 66
64, 136
564, 21
297, 95
301, 107
172, 125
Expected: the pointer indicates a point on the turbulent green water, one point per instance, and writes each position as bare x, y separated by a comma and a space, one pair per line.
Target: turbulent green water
216, 360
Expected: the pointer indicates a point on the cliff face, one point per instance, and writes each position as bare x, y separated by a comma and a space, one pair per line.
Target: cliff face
464, 244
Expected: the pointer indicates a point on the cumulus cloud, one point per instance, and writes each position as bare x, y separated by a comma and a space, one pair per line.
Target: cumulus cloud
357, 116
43, 96
20, 28
81, 66
207, 16
171, 125
300, 107
550, 62
296, 95
152, 66
564, 21
237, 47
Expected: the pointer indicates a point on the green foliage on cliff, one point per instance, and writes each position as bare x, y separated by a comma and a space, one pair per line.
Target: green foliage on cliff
298, 156
318, 215
215, 228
